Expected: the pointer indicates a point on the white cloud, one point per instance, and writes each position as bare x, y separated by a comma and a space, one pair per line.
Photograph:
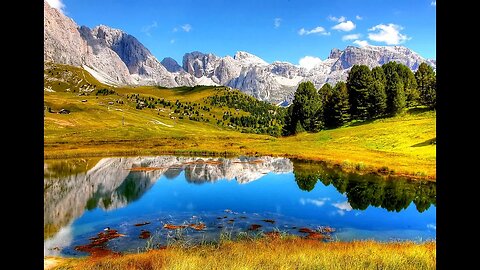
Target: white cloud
172, 41
335, 19
317, 30
434, 3
361, 43
358, 17
58, 4
345, 206
146, 29
320, 202
277, 22
186, 27
344, 26
175, 29
309, 62
388, 33
342, 207
351, 37
432, 226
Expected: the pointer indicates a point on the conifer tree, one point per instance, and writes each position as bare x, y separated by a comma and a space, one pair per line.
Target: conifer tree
358, 84
426, 82
377, 100
409, 85
339, 106
394, 89
325, 93
306, 112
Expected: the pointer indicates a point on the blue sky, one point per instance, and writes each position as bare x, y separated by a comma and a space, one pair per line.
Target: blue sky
282, 30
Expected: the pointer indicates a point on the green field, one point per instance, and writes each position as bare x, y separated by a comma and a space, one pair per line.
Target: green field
403, 144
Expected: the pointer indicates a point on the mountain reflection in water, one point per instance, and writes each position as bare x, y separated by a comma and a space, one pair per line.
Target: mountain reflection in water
77, 192
112, 183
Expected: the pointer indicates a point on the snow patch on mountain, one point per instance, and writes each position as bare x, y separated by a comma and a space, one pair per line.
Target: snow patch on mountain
100, 76
248, 59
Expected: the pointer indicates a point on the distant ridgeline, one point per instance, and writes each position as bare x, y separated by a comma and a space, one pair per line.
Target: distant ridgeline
368, 94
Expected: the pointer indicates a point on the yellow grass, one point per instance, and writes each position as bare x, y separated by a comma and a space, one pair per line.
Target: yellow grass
95, 128
389, 142
290, 253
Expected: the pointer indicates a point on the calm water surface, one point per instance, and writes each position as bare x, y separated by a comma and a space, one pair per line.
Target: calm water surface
82, 197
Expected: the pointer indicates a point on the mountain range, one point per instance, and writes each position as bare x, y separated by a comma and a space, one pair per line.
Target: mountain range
117, 58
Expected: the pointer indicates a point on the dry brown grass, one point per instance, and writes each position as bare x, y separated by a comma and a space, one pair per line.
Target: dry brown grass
290, 253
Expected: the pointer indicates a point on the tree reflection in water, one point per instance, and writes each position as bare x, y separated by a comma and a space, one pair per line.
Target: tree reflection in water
362, 191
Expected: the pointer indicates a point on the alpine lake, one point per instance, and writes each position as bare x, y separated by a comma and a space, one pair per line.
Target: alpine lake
130, 204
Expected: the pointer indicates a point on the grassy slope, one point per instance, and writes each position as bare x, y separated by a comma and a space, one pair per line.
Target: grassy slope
95, 129
272, 254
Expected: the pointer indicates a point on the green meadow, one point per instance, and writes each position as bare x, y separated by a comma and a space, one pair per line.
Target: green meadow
111, 124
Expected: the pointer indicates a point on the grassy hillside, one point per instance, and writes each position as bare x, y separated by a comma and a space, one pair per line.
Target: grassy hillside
290, 253
106, 120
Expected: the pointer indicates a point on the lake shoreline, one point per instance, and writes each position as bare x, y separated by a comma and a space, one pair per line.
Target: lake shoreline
345, 165
278, 251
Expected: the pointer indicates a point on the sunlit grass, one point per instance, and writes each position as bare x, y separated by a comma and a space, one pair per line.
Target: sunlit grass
388, 142
288, 253
95, 128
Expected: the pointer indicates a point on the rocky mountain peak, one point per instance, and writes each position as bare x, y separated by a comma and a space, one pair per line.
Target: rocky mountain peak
62, 42
171, 65
200, 64
113, 56
249, 58
335, 53
110, 35
136, 56
66, 43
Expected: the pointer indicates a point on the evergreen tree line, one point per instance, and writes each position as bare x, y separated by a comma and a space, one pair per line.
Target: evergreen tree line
263, 118
367, 94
